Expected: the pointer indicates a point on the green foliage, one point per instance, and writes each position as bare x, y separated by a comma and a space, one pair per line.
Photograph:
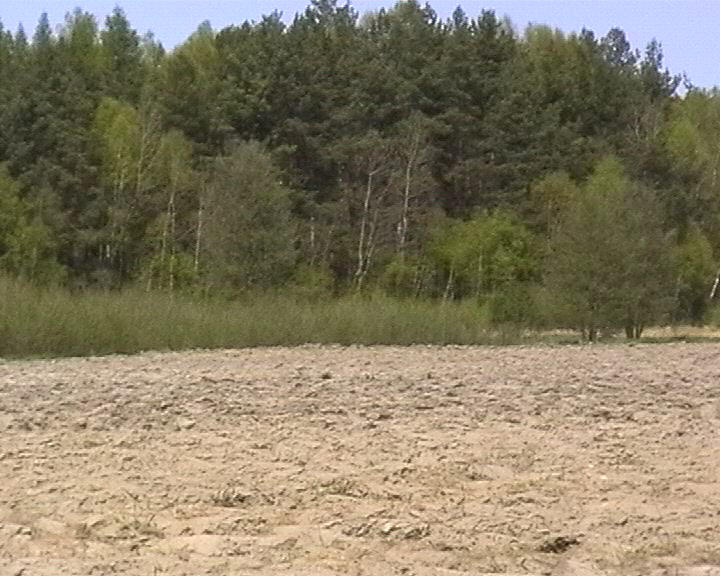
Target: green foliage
714, 316
128, 142
449, 159
608, 266
692, 139
484, 255
549, 197
695, 269
121, 54
404, 277
79, 38
514, 304
118, 129
170, 271
190, 90
26, 247
312, 283
249, 225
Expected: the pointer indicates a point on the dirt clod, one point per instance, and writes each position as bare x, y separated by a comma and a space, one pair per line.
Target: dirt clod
558, 545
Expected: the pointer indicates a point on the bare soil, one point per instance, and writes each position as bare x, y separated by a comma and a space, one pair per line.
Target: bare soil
329, 461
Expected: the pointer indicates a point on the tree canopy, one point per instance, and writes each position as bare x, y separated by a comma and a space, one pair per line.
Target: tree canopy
395, 150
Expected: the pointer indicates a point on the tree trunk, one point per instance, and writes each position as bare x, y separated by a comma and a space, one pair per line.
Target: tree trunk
326, 250
171, 270
163, 244
362, 249
405, 217
449, 287
715, 287
371, 238
312, 240
147, 155
633, 330
198, 238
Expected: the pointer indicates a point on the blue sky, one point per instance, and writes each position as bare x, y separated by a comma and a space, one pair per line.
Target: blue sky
688, 29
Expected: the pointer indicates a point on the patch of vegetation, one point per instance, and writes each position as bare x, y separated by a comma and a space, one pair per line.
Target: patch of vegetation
57, 322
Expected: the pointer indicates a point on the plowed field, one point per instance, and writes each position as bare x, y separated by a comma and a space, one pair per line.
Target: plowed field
590, 461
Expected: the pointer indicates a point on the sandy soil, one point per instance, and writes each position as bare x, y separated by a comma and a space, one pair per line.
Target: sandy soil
597, 460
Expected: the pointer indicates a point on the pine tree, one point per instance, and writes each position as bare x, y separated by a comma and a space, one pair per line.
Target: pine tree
122, 58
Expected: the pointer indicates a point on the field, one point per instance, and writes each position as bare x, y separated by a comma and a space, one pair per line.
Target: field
587, 461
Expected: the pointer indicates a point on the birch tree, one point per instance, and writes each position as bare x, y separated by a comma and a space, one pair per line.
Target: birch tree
367, 184
177, 186
413, 154
129, 142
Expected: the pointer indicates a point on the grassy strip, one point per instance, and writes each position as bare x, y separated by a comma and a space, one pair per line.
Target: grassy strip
56, 322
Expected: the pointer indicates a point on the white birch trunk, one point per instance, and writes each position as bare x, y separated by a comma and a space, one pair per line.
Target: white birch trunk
361, 251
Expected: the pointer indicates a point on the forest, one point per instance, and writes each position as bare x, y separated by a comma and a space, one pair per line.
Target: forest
548, 178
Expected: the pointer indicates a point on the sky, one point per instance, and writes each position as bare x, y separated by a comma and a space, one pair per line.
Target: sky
687, 29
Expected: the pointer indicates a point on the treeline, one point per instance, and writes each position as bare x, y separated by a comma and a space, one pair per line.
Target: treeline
555, 178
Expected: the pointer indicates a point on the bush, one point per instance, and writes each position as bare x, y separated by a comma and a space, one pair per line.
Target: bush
401, 277
515, 304
312, 283
607, 266
480, 256
695, 269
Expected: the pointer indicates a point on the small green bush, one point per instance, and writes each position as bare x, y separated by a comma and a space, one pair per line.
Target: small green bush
514, 304
312, 283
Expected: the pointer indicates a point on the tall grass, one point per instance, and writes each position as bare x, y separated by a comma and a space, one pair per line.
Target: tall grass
56, 322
